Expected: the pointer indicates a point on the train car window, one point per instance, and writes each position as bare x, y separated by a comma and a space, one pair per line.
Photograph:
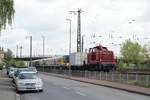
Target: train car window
66, 59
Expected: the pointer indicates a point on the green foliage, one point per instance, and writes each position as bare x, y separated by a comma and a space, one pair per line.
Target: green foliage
20, 64
147, 63
8, 58
9, 63
35, 63
123, 65
8, 55
1, 67
139, 83
132, 54
6, 13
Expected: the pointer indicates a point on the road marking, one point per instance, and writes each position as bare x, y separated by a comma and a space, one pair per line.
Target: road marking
82, 94
66, 88
17, 96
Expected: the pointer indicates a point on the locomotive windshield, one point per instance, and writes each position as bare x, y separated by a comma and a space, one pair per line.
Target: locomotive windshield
104, 48
95, 49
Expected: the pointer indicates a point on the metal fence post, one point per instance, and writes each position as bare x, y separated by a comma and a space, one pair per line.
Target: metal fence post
100, 76
95, 75
136, 77
120, 77
106, 76
112, 76
88, 74
84, 74
147, 80
127, 77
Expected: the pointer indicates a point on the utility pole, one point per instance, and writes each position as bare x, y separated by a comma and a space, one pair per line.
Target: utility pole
20, 51
17, 52
43, 49
82, 43
43, 45
78, 28
69, 36
30, 50
69, 44
30, 37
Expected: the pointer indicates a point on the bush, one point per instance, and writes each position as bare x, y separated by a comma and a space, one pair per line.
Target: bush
1, 67
123, 65
20, 64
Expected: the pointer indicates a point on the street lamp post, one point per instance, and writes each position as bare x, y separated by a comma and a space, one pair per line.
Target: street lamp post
30, 50
20, 51
69, 44
43, 49
17, 52
43, 45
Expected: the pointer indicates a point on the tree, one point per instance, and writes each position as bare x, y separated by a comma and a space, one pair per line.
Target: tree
133, 53
8, 55
8, 58
20, 64
6, 13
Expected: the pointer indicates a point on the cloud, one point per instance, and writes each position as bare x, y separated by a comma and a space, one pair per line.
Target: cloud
48, 18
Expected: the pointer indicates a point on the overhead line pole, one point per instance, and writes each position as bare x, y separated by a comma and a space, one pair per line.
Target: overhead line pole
43, 45
30, 50
78, 28
43, 50
20, 51
17, 52
69, 44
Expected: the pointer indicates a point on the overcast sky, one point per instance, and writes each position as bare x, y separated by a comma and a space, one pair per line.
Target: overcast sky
100, 18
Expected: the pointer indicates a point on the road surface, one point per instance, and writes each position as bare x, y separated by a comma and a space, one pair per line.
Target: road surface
63, 89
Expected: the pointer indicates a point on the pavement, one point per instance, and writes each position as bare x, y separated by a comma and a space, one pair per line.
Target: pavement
125, 87
3, 73
7, 91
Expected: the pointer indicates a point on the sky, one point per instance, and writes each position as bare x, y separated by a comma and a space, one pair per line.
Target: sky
106, 22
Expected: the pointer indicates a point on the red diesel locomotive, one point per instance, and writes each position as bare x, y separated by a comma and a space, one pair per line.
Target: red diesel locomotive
100, 58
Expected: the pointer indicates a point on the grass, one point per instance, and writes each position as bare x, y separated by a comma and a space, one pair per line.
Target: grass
133, 82
139, 83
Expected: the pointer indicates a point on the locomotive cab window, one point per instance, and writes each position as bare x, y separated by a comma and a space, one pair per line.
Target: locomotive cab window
95, 49
104, 48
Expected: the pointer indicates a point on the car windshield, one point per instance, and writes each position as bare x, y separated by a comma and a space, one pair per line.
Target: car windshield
11, 70
32, 69
28, 76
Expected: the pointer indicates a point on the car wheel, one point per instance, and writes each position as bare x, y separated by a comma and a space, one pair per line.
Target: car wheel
41, 90
17, 91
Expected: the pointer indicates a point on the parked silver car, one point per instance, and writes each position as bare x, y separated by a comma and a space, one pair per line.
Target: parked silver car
27, 81
17, 73
32, 69
11, 72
